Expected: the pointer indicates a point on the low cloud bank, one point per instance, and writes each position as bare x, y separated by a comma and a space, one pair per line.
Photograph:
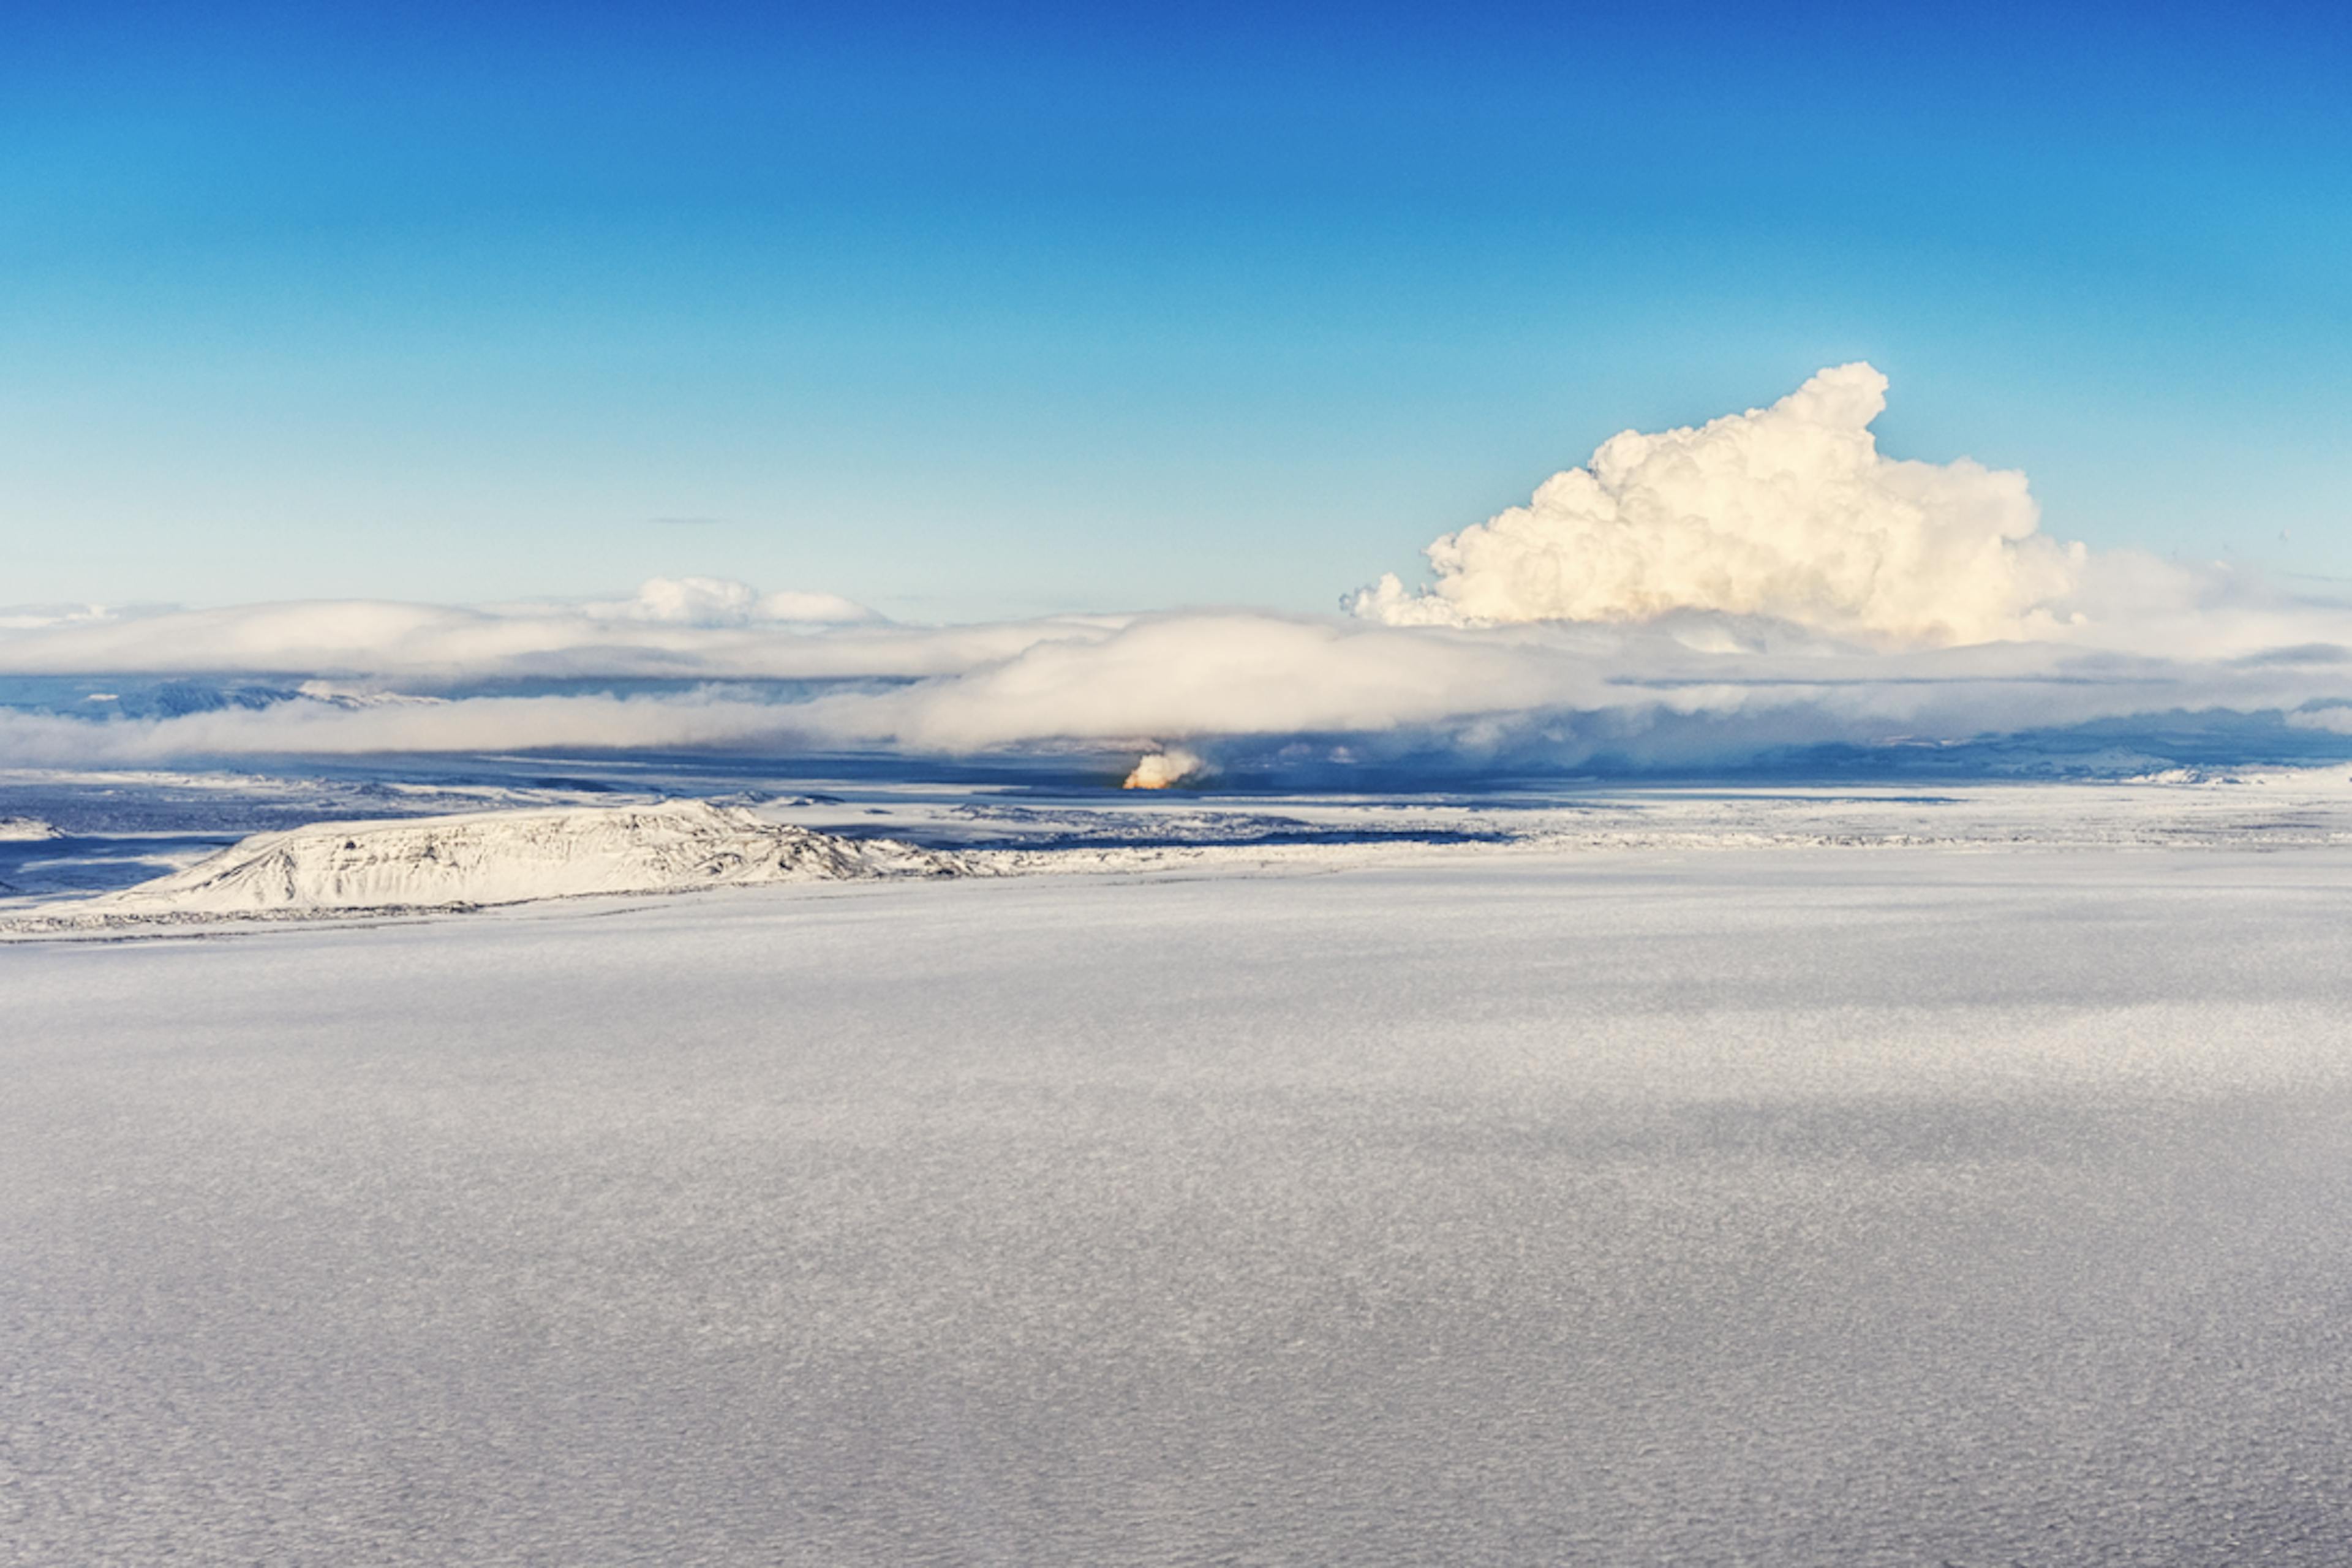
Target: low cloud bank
673, 628
1218, 689
1762, 584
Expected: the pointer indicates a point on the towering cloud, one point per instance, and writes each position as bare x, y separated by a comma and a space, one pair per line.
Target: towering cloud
1788, 511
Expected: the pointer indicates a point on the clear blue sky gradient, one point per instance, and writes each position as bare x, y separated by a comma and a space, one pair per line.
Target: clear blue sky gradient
968, 314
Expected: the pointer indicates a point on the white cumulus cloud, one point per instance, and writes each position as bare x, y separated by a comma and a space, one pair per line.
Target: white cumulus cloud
1788, 512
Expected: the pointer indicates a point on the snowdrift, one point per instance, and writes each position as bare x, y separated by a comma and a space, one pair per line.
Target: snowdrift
513, 856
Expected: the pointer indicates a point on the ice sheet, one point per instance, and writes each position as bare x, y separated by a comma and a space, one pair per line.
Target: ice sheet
1655, 1206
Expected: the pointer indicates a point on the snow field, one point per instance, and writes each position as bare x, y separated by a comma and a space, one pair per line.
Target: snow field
1774, 1206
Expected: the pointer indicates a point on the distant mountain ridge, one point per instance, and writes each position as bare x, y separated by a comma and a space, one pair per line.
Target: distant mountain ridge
514, 857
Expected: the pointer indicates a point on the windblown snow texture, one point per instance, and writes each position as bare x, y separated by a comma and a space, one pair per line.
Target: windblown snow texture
1813, 1207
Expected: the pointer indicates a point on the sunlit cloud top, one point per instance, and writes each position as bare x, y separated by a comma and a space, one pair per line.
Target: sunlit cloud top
1788, 512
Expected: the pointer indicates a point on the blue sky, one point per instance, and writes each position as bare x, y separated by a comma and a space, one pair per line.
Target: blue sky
968, 315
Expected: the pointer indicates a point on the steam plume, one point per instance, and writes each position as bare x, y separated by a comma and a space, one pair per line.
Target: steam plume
1163, 770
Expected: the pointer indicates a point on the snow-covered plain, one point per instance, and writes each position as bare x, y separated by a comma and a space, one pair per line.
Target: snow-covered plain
1761, 1178
172, 848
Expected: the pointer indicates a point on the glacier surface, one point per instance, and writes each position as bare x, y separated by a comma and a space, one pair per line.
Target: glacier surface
1691, 1201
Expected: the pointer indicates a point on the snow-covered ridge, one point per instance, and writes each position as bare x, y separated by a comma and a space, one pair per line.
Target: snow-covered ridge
511, 856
